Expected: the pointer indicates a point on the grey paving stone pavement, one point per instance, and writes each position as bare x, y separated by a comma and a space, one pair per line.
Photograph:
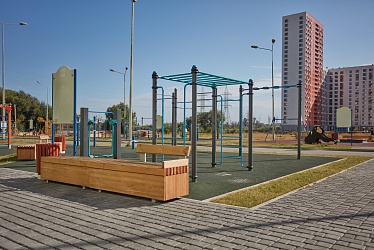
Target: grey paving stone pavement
336, 213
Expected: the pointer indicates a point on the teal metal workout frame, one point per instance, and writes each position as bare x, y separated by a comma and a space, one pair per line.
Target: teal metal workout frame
196, 78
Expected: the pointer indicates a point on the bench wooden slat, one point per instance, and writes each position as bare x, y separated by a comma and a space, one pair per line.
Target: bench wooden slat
163, 149
44, 137
174, 163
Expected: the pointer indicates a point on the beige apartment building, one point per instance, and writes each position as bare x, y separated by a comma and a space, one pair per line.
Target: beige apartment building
350, 87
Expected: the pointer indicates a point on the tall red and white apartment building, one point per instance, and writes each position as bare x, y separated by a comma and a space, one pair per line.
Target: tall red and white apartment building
302, 60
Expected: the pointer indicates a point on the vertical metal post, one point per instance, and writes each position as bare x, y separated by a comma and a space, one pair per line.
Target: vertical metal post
299, 103
272, 87
250, 125
94, 130
240, 120
3, 76
174, 117
74, 112
131, 68
193, 128
117, 135
84, 132
154, 112
124, 104
214, 125
175, 114
10, 128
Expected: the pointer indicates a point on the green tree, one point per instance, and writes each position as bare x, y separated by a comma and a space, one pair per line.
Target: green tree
27, 107
204, 120
123, 108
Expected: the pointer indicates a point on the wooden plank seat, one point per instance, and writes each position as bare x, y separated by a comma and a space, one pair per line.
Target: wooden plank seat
44, 138
158, 181
358, 137
144, 149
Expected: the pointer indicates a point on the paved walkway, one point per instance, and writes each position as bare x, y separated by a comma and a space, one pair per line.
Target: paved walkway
336, 213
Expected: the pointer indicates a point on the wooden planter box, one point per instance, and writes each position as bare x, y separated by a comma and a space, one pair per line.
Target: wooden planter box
26, 152
158, 181
46, 149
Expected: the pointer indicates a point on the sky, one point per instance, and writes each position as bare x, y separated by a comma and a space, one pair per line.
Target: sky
170, 36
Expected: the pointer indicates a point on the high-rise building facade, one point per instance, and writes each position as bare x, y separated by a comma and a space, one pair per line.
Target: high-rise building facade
350, 87
302, 60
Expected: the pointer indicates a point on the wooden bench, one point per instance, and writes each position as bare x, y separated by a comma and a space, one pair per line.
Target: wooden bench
357, 137
144, 149
155, 180
26, 152
44, 138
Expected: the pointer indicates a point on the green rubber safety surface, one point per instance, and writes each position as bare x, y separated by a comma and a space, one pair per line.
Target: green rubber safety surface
230, 176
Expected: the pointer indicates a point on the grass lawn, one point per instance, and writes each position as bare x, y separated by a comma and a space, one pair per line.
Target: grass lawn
259, 194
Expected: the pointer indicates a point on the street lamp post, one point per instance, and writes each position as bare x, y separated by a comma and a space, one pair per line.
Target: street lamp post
3, 62
47, 97
131, 66
272, 81
124, 97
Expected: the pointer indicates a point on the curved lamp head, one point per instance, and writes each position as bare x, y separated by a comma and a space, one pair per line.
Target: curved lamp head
22, 23
254, 47
272, 40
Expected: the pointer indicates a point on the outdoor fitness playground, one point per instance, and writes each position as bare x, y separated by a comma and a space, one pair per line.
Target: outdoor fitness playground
213, 181
159, 168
